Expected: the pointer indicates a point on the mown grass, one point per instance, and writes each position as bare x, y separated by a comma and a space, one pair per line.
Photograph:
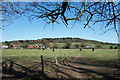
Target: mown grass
108, 46
100, 54
23, 55
59, 44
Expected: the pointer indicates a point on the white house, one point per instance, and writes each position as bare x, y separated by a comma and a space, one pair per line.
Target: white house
3, 47
42, 46
89, 47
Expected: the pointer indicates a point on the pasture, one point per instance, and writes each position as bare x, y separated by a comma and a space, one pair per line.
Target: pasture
31, 54
21, 55
102, 63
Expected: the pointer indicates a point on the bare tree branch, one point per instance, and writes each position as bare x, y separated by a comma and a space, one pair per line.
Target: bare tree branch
53, 12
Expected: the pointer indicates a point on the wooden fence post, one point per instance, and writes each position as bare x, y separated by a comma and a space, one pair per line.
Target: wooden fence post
42, 63
55, 56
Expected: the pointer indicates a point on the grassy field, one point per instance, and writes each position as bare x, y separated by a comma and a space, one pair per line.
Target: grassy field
100, 54
20, 63
32, 54
23, 55
60, 45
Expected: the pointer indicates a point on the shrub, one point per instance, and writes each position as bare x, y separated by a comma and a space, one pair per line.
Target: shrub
76, 46
82, 45
55, 45
111, 47
9, 45
68, 45
99, 45
24, 46
45, 43
115, 47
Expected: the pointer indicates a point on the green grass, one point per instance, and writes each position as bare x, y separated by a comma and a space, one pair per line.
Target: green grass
108, 46
59, 44
23, 55
100, 54
30, 58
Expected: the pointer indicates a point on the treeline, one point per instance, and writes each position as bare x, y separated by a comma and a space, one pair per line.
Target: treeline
54, 40
51, 40
47, 41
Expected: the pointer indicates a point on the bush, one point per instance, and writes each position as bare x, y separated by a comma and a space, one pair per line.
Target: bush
99, 45
111, 47
45, 43
55, 45
24, 46
115, 47
9, 45
82, 45
76, 46
68, 45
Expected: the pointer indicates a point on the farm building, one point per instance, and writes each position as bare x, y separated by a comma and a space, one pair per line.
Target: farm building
89, 47
36, 47
16, 46
42, 46
31, 47
3, 46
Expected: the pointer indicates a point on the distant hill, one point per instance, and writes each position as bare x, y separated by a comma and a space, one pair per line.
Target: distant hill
62, 43
58, 40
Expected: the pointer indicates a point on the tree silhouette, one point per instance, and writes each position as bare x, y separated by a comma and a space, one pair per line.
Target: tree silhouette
52, 12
